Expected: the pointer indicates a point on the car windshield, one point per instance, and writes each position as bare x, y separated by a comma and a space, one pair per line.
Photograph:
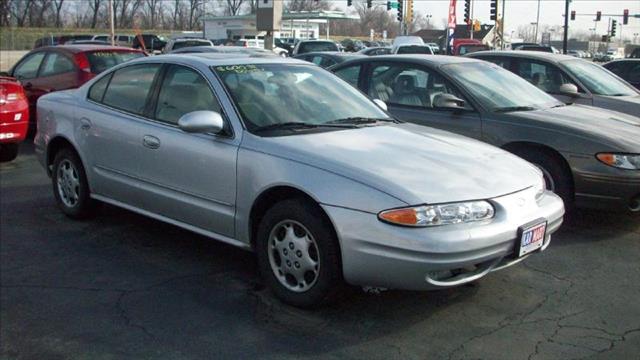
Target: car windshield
597, 80
103, 60
498, 89
269, 95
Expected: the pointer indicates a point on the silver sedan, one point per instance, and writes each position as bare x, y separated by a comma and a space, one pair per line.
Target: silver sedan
285, 159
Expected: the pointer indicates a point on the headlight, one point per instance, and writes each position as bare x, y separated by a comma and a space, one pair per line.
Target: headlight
621, 161
443, 214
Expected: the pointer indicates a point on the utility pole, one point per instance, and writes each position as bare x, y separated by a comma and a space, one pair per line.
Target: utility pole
537, 22
565, 38
502, 27
111, 25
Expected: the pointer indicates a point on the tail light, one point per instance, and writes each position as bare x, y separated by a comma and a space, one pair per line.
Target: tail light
10, 93
85, 67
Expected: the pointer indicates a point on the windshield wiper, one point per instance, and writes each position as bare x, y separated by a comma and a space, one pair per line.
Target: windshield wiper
296, 125
361, 120
514, 108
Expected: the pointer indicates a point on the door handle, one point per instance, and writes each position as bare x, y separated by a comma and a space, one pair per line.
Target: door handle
85, 124
151, 142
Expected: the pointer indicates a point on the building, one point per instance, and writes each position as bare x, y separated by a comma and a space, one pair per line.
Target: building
305, 25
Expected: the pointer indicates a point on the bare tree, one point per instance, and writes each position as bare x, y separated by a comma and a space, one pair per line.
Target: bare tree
153, 9
94, 5
195, 12
307, 5
58, 8
20, 10
232, 7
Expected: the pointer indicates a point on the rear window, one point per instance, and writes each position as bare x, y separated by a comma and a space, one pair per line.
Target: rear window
415, 49
317, 46
190, 43
103, 60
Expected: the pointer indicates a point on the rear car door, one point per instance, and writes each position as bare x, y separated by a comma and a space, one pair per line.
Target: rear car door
410, 90
59, 72
26, 71
111, 128
187, 177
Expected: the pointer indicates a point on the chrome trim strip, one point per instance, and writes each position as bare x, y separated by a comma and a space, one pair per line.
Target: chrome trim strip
137, 178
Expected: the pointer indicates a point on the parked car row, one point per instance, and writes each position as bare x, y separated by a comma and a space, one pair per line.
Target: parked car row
394, 171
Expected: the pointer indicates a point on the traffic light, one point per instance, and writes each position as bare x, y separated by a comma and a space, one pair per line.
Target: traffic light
598, 15
388, 5
467, 11
400, 12
369, 4
613, 28
573, 14
625, 17
349, 2
409, 11
494, 10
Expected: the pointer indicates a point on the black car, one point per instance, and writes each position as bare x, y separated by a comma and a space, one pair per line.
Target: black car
627, 69
373, 51
327, 58
151, 42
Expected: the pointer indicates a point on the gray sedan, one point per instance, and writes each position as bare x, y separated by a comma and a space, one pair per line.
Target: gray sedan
569, 79
324, 186
590, 156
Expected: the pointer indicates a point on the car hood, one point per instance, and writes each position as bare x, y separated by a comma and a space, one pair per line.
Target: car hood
601, 125
626, 104
412, 163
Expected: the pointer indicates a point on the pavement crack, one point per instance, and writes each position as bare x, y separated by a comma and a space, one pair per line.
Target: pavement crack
122, 312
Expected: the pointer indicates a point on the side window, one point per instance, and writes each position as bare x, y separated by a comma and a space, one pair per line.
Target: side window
326, 62
616, 68
500, 61
57, 64
546, 77
129, 87
183, 90
28, 69
96, 93
316, 59
408, 86
350, 74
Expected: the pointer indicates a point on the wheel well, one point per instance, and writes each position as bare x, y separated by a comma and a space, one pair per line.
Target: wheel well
54, 147
269, 198
518, 148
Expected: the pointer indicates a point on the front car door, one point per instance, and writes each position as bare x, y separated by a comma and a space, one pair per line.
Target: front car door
549, 77
187, 177
26, 71
409, 91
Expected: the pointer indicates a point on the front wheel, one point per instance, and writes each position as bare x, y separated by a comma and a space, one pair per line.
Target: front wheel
70, 186
298, 254
556, 175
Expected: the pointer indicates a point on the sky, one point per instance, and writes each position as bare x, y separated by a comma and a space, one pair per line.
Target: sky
522, 12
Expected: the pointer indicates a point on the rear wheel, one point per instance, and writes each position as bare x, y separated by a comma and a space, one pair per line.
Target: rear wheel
298, 253
8, 152
70, 186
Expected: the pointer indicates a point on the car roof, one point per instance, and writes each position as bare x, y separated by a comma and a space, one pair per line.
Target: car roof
432, 60
217, 59
538, 55
332, 53
79, 48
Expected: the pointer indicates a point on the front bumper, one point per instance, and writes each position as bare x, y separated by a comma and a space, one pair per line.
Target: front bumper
598, 186
383, 255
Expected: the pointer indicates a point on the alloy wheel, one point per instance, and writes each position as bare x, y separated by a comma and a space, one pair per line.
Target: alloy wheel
68, 182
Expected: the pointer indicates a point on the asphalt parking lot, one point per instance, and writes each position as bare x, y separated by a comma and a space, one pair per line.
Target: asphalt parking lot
123, 286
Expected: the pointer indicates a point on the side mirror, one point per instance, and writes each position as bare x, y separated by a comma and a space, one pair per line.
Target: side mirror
448, 101
568, 90
203, 121
381, 104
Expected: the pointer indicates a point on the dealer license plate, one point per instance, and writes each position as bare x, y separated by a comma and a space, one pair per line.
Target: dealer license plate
532, 238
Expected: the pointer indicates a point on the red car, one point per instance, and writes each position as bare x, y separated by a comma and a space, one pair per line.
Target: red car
62, 67
14, 117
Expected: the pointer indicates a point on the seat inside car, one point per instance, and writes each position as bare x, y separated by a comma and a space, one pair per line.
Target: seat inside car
405, 92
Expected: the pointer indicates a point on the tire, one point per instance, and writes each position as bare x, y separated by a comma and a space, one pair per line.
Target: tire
556, 174
8, 152
70, 186
293, 235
